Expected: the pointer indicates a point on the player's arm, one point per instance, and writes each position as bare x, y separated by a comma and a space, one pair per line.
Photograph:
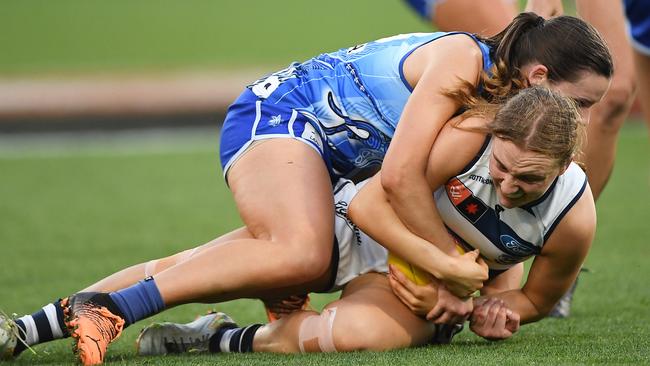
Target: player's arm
506, 281
431, 70
371, 211
558, 265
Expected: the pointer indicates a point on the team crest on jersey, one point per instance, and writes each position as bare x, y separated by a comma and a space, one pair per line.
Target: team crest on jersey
515, 250
464, 200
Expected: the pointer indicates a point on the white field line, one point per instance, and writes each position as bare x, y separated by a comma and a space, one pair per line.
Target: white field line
110, 144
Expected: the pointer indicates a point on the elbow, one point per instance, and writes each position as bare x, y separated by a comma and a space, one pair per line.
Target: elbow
394, 180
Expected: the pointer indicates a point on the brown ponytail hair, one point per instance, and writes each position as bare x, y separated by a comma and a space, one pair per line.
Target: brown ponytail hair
566, 45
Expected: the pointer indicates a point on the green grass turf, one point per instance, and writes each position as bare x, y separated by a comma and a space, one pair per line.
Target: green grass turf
72, 211
80, 36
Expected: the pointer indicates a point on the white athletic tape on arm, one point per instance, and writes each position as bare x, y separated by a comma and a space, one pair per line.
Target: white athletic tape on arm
317, 330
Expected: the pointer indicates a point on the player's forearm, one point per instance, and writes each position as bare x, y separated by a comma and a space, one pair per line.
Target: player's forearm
517, 301
376, 218
414, 205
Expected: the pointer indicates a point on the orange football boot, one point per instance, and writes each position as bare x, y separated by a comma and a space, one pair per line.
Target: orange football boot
92, 325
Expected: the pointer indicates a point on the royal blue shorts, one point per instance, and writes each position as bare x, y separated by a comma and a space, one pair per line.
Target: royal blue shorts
424, 8
251, 119
637, 13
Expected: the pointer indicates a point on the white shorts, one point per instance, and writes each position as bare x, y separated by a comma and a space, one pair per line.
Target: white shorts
357, 252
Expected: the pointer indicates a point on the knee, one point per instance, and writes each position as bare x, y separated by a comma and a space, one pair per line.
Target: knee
326, 333
354, 334
306, 257
610, 113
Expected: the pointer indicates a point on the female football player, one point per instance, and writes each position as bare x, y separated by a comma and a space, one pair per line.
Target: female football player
512, 194
608, 116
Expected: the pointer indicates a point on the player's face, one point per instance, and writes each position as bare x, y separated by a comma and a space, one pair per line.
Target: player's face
588, 90
520, 177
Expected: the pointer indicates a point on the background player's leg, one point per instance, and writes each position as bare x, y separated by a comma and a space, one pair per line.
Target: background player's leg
642, 62
485, 18
608, 116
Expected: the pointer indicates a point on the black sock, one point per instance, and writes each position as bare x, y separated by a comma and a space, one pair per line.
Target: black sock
234, 339
45, 325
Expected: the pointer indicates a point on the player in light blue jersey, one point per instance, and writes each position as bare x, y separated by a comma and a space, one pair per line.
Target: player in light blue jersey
531, 200
344, 113
292, 133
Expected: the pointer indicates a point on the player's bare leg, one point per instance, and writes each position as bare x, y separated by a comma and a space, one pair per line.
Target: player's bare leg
642, 63
287, 206
135, 273
487, 17
608, 116
284, 195
367, 317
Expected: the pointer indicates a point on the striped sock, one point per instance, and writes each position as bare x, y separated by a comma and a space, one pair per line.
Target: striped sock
42, 326
234, 339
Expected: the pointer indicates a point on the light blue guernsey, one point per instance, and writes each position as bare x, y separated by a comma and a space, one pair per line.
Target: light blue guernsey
346, 104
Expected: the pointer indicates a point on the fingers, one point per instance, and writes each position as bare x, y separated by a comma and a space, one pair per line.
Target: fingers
492, 320
435, 313
401, 292
402, 279
481, 314
500, 320
513, 321
481, 262
473, 254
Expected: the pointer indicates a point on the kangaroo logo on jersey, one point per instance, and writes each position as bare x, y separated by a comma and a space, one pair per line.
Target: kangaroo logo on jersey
463, 199
356, 129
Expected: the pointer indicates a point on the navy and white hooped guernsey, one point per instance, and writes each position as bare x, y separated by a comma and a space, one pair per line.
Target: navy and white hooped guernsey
344, 104
469, 206
470, 209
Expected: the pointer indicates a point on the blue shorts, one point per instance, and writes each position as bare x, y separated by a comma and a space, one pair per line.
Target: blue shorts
423, 7
637, 13
251, 119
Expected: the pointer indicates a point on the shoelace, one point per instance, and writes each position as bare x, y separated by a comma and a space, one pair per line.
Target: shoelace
106, 325
15, 331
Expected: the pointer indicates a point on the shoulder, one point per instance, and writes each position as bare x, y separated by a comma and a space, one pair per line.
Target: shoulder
577, 227
449, 57
461, 44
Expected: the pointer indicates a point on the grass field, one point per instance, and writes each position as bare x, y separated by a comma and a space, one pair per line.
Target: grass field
81, 36
74, 209
90, 36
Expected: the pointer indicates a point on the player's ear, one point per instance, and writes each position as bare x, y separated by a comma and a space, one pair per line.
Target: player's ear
537, 74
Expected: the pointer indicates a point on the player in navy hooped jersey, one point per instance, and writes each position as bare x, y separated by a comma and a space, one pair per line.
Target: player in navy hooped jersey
607, 117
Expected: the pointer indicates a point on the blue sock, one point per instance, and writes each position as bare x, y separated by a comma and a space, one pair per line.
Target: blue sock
138, 301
